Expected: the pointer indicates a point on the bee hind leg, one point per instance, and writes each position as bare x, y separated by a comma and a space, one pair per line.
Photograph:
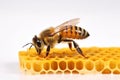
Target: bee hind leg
75, 45
48, 50
78, 49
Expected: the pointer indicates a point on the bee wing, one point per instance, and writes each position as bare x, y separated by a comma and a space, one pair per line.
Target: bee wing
69, 22
62, 26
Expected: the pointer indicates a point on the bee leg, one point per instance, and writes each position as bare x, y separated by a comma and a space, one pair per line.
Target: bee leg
70, 46
48, 50
78, 48
39, 51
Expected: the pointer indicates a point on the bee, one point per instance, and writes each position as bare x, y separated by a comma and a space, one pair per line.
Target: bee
64, 32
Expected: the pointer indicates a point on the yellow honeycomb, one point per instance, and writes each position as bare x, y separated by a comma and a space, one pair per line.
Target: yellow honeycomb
101, 60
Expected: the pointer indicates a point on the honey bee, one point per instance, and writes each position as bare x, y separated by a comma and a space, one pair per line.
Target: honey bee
65, 32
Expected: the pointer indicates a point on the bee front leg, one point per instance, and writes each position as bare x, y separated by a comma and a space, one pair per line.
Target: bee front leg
48, 50
39, 51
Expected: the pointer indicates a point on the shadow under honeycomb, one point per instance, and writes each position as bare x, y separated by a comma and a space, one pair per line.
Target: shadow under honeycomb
65, 61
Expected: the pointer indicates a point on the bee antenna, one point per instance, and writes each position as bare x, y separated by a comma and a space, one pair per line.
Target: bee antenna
28, 44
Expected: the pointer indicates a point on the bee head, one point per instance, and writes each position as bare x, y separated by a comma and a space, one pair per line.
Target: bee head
38, 43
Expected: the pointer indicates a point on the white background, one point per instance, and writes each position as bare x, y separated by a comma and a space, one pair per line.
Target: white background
20, 20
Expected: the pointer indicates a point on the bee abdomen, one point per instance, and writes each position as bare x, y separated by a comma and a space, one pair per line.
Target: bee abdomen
74, 32
82, 33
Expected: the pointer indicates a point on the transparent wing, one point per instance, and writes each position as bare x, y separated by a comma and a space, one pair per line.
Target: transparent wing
69, 22
63, 26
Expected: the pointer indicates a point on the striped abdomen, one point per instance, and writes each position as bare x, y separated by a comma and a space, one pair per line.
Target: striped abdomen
74, 32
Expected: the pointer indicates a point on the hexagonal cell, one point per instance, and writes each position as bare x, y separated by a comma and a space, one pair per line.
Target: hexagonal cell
89, 65
105, 58
46, 66
37, 67
106, 71
79, 65
118, 65
43, 72
99, 65
59, 72
116, 72
28, 58
62, 65
75, 72
54, 65
23, 65
67, 72
94, 58
71, 65
112, 64
50, 72
28, 65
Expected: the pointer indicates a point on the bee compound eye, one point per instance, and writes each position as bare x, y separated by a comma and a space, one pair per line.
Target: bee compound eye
38, 43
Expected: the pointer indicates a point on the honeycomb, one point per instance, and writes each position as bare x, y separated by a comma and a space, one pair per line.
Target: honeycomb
100, 60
